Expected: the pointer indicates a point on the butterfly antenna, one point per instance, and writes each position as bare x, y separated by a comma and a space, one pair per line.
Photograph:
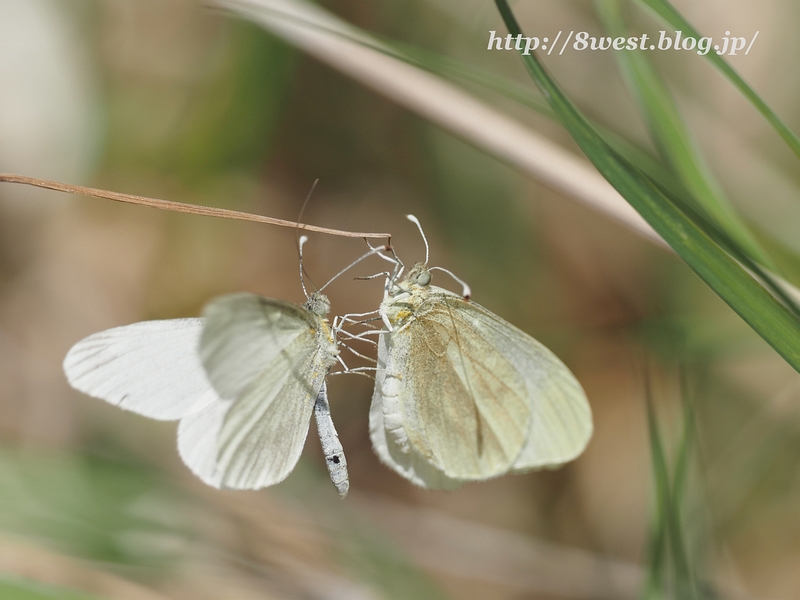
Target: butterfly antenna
414, 220
399, 267
305, 202
303, 239
300, 243
394, 259
372, 251
466, 292
387, 248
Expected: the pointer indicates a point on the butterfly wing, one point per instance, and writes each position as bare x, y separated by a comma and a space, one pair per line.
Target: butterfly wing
387, 432
151, 368
461, 403
270, 359
197, 441
561, 419
466, 394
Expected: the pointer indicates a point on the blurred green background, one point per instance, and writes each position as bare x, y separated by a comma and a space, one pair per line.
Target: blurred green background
689, 487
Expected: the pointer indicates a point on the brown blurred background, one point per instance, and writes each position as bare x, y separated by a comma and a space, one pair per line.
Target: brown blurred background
170, 99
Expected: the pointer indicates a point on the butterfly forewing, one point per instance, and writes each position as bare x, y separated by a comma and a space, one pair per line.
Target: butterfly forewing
150, 368
270, 358
465, 407
245, 332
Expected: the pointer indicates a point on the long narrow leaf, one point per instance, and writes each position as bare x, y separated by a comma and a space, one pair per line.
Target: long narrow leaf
779, 288
670, 570
657, 542
739, 290
674, 139
669, 14
685, 575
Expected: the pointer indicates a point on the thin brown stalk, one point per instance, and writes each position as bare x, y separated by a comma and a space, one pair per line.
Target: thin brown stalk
194, 209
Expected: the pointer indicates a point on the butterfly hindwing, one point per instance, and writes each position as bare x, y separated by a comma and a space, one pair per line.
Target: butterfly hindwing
197, 441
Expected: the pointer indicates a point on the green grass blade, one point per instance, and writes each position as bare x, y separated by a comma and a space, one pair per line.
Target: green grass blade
13, 588
670, 570
458, 71
686, 583
657, 542
720, 237
669, 14
673, 138
725, 276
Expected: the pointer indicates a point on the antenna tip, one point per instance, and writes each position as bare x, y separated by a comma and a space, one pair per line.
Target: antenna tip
413, 219
303, 239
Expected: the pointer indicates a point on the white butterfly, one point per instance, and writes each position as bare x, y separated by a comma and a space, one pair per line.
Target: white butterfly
462, 395
243, 382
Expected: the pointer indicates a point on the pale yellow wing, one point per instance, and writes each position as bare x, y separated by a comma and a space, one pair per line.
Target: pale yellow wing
388, 434
462, 404
561, 419
468, 395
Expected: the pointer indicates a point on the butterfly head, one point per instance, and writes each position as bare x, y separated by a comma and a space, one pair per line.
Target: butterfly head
318, 304
420, 275
417, 279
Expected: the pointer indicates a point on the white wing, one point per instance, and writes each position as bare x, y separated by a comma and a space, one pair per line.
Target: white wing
151, 368
197, 441
267, 357
244, 333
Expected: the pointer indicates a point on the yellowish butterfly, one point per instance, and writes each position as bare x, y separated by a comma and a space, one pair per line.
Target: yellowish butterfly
461, 394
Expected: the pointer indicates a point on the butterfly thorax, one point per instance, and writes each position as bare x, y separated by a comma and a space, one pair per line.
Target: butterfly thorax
319, 305
404, 299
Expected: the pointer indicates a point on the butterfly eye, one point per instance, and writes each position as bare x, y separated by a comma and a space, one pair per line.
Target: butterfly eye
424, 278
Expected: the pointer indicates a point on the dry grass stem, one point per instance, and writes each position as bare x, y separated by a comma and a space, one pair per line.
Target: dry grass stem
193, 209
